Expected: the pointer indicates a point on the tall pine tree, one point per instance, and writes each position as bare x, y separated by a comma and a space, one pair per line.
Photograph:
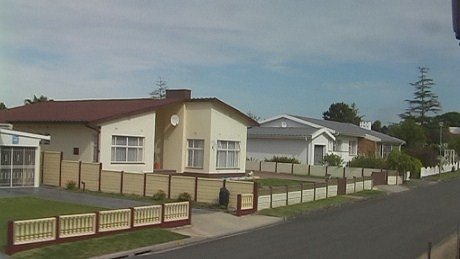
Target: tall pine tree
424, 101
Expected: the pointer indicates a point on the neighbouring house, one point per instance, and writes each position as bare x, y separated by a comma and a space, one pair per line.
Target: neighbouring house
309, 140
204, 135
19, 157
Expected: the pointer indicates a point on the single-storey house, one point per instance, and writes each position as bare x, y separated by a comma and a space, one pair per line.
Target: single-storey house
19, 157
204, 135
309, 140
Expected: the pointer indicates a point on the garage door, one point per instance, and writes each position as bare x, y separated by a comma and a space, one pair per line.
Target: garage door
17, 166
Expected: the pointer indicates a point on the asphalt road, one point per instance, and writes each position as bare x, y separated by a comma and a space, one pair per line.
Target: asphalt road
397, 226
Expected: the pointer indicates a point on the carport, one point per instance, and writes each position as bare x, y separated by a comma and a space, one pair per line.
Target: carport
19, 158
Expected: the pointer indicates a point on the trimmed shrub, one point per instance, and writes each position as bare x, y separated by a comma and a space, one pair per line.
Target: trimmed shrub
368, 162
332, 160
159, 195
402, 163
283, 159
71, 185
185, 196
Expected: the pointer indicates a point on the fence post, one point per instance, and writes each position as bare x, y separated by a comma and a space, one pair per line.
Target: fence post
354, 184
169, 187
10, 237
163, 213
271, 197
276, 167
314, 191
308, 170
344, 172
145, 184
121, 182
260, 166
292, 168
255, 203
327, 186
42, 160
429, 250
98, 221
100, 177
301, 192
132, 218
60, 170
58, 227
196, 189
238, 205
325, 173
362, 172
79, 174
287, 195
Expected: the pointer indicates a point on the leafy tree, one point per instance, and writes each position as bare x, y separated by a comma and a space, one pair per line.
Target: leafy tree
36, 99
2, 106
253, 116
343, 112
424, 101
377, 126
409, 131
160, 91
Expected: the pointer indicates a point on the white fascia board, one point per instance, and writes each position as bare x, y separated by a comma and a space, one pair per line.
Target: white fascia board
372, 138
289, 117
321, 131
24, 134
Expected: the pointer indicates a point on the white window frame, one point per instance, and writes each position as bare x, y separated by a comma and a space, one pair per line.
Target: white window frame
337, 147
224, 150
193, 148
352, 147
127, 147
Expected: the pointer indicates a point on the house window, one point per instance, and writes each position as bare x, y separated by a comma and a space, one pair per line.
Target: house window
337, 146
195, 150
386, 150
127, 149
228, 153
352, 148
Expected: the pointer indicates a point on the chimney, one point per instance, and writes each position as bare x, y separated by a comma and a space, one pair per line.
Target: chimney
366, 125
178, 94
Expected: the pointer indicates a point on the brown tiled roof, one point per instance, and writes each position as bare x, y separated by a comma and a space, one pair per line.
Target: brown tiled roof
82, 111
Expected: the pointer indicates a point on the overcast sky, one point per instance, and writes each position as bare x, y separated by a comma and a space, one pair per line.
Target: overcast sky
267, 57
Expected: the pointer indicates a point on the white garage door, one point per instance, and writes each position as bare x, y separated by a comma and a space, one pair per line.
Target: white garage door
17, 166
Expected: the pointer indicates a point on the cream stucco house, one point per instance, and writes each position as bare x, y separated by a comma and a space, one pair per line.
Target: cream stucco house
204, 136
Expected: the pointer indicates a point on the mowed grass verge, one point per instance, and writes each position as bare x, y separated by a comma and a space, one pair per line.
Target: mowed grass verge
278, 182
17, 208
303, 208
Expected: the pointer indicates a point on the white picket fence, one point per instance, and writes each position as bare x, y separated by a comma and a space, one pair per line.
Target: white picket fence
428, 171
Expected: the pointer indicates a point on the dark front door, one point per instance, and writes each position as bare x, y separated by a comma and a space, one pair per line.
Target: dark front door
319, 154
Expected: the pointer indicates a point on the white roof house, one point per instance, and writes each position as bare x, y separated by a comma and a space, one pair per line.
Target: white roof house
309, 140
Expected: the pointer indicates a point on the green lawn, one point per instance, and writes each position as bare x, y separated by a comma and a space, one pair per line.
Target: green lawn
301, 208
103, 245
444, 176
278, 182
17, 208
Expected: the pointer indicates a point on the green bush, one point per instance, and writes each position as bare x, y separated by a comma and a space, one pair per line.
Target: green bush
159, 195
71, 185
283, 159
402, 163
367, 162
429, 156
185, 196
332, 160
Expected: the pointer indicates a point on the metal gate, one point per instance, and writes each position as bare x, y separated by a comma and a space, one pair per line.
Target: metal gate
17, 166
